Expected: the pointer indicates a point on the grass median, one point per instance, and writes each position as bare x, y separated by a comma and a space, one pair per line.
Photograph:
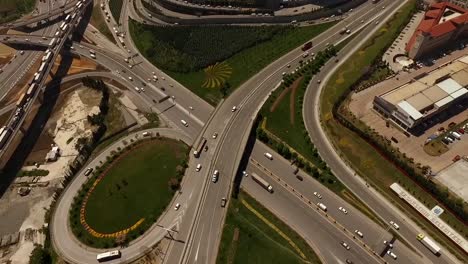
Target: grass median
362, 156
116, 200
98, 21
214, 60
115, 7
252, 234
283, 125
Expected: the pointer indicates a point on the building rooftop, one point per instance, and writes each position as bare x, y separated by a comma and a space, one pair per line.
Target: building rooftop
436, 89
440, 19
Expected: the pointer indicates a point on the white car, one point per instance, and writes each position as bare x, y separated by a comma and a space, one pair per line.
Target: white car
234, 108
318, 195
391, 254
245, 174
138, 89
390, 245
345, 245
319, 81
305, 54
394, 225
198, 167
177, 206
130, 78
343, 210
359, 233
215, 135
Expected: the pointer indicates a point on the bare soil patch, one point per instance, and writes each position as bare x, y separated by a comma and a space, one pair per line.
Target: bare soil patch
292, 99
279, 99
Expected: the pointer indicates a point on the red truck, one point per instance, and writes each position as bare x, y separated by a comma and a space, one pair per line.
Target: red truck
307, 46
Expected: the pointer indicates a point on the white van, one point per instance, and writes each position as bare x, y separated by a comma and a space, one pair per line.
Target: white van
456, 135
184, 123
322, 206
268, 155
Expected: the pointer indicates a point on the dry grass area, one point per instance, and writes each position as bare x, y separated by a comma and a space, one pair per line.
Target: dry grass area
435, 148
78, 65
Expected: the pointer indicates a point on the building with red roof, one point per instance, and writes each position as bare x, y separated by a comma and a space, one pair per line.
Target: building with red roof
443, 23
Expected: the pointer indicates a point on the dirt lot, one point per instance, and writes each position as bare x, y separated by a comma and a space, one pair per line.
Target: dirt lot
361, 106
67, 123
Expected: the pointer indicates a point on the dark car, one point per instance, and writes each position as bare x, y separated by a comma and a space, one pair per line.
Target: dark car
88, 171
299, 177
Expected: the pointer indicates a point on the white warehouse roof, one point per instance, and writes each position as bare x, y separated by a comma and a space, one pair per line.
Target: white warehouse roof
459, 93
449, 86
410, 110
444, 101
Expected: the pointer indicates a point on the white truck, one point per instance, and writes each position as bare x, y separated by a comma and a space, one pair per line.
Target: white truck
431, 245
262, 182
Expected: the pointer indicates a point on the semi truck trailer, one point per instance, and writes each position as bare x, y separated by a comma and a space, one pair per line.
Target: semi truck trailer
429, 243
262, 182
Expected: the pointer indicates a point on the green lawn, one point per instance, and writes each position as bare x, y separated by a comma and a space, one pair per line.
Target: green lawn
362, 156
244, 57
13, 9
258, 242
116, 8
135, 187
98, 21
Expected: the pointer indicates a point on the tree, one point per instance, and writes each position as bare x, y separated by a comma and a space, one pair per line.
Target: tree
40, 256
225, 88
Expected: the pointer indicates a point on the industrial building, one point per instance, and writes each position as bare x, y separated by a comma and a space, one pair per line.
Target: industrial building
425, 96
443, 24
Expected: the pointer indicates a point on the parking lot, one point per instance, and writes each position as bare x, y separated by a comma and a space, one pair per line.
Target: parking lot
455, 177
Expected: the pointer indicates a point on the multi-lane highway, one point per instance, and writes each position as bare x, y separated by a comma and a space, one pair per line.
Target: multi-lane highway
37, 87
199, 222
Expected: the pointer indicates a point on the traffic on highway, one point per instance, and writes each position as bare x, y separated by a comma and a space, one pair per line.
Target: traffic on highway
223, 151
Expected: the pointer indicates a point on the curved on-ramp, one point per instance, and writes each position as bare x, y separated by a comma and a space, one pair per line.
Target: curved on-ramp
62, 237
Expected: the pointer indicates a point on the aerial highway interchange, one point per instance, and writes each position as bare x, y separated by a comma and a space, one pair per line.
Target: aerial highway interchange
199, 221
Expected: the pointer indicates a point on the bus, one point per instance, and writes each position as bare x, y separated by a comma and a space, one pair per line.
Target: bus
31, 89
52, 43
108, 255
46, 57
199, 148
4, 135
21, 100
121, 40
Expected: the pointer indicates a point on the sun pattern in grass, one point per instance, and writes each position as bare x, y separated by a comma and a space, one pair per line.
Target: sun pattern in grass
216, 75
